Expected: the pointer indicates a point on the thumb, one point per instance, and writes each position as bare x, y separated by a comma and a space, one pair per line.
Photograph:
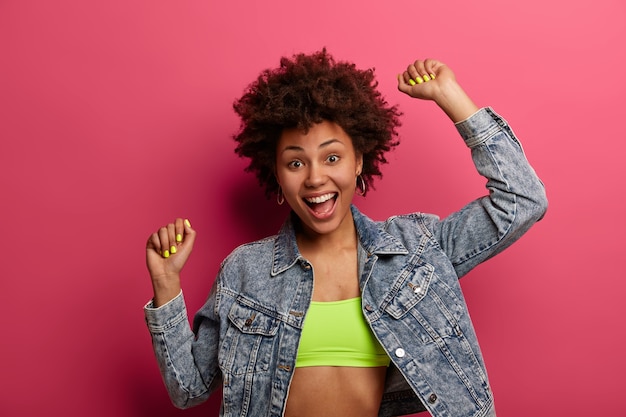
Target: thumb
189, 236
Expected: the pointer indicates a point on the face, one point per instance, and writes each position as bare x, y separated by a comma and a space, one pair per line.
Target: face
317, 172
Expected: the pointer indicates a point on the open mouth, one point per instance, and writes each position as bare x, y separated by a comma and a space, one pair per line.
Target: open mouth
321, 204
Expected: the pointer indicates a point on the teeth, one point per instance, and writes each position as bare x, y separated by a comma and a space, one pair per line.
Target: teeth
320, 199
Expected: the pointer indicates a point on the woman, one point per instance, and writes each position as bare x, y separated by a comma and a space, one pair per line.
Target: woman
338, 315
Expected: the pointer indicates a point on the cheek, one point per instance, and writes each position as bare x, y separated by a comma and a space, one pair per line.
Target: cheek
282, 175
288, 181
348, 180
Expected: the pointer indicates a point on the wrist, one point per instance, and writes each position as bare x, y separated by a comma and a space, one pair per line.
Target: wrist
165, 290
455, 102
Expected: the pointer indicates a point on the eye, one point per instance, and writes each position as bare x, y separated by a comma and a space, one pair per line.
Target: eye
333, 158
295, 164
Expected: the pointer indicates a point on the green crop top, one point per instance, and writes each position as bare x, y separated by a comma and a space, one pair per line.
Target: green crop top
335, 333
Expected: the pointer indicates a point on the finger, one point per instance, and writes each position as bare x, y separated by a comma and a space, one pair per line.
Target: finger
180, 231
171, 235
419, 67
424, 74
414, 73
154, 243
406, 77
403, 83
430, 66
190, 234
165, 242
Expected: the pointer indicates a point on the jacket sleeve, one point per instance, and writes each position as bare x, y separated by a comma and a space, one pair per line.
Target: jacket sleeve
516, 198
188, 364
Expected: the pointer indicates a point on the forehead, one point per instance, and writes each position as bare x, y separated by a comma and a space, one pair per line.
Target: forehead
319, 134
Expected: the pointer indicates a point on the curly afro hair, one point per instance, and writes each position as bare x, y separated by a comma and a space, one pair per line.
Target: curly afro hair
306, 90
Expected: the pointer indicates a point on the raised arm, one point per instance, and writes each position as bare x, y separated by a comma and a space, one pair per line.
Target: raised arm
516, 197
187, 360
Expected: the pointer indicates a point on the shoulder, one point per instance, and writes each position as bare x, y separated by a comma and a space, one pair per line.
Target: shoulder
251, 251
248, 263
411, 218
410, 223
398, 233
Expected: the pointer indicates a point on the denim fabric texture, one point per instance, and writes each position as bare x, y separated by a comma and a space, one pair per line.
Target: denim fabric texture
245, 338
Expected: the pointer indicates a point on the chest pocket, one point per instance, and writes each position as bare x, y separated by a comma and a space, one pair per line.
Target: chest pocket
411, 287
250, 339
428, 307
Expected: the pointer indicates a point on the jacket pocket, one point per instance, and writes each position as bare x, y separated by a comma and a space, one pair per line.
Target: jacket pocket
409, 289
428, 309
250, 339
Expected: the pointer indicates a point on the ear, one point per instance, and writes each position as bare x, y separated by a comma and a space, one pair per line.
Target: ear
278, 181
359, 164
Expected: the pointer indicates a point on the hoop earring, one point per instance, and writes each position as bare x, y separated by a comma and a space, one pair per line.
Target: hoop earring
361, 186
280, 198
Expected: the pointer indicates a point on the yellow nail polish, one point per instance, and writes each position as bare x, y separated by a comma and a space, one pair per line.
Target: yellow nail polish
432, 76
173, 249
187, 223
419, 80
411, 82
179, 237
426, 78
166, 254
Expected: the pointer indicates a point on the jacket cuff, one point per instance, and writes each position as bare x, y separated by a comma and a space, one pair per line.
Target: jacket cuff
168, 315
480, 126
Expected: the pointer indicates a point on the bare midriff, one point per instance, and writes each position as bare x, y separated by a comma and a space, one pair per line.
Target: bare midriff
334, 391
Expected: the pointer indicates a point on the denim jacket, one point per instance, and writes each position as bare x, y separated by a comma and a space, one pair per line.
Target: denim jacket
245, 338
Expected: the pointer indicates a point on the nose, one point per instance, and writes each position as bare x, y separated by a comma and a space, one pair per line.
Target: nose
316, 176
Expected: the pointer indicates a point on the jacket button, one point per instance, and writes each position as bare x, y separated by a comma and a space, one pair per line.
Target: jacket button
432, 398
369, 308
400, 353
306, 265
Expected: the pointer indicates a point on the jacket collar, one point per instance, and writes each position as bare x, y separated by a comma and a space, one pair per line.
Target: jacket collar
372, 237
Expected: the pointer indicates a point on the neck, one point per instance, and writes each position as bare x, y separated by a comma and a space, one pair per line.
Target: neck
344, 237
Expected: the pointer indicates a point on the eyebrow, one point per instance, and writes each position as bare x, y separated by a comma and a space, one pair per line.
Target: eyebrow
322, 145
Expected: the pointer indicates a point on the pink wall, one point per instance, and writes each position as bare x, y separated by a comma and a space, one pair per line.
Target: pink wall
115, 117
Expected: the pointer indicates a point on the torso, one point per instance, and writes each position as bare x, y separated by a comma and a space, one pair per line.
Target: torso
332, 390
336, 391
